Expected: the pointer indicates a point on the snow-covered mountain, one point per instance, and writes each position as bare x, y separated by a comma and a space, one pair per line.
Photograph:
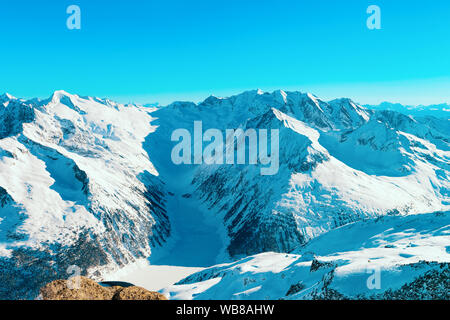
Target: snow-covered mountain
77, 188
339, 163
89, 182
436, 110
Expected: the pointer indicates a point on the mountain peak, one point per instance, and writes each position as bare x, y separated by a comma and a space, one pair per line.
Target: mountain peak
59, 94
281, 94
210, 100
6, 97
341, 100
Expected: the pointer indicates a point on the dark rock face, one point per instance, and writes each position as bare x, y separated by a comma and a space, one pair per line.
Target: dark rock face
115, 284
295, 288
19, 272
432, 285
278, 234
250, 231
5, 198
12, 215
13, 117
317, 265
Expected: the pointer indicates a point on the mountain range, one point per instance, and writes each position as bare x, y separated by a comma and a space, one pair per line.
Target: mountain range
90, 182
436, 110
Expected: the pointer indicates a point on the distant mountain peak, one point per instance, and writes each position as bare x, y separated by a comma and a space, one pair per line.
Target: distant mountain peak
6, 97
60, 94
437, 110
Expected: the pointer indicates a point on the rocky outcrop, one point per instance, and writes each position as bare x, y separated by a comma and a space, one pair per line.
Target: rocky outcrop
137, 293
82, 288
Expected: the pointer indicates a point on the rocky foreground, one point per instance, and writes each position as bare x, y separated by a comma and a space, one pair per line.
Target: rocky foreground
81, 288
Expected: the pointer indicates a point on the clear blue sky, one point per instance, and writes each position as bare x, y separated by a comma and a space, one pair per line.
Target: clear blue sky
148, 51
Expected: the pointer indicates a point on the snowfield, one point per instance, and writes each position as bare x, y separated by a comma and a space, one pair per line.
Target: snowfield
89, 182
400, 248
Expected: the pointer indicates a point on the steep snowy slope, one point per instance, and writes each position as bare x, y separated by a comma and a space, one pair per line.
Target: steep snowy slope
338, 163
77, 188
396, 257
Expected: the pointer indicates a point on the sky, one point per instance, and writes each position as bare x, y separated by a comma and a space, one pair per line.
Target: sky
161, 51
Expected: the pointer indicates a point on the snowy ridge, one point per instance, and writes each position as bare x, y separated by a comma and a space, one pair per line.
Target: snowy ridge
77, 171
